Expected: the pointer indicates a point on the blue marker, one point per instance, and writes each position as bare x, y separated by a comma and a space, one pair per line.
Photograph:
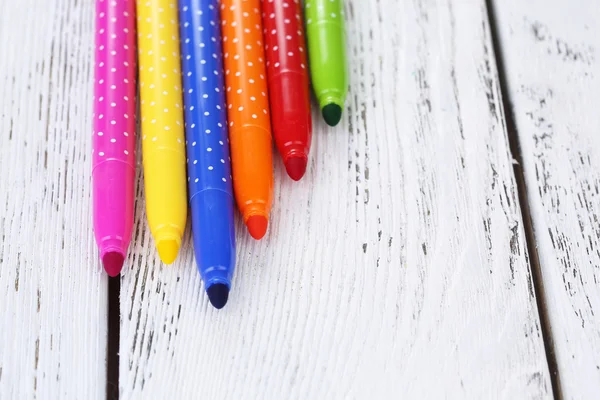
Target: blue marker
208, 164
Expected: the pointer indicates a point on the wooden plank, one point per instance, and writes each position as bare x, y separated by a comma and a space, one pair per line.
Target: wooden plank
52, 292
553, 82
396, 268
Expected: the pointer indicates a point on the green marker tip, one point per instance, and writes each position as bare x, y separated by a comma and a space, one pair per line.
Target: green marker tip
332, 113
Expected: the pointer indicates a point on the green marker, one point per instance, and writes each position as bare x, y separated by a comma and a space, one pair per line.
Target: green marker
327, 56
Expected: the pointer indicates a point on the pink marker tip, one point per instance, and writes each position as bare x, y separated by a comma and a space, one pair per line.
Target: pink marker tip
113, 263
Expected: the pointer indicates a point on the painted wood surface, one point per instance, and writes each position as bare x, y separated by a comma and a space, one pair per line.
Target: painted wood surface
396, 268
550, 51
52, 292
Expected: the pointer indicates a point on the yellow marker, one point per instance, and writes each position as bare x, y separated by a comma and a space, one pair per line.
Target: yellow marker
163, 142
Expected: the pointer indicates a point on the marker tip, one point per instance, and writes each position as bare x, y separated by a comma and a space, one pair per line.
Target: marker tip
296, 167
167, 250
218, 295
257, 226
332, 114
113, 263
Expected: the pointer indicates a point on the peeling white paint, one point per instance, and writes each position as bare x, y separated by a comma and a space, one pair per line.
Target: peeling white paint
551, 56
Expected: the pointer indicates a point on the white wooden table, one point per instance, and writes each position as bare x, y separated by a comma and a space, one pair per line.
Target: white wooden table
445, 242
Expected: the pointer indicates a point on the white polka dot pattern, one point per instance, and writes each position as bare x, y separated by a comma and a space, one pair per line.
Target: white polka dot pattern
209, 169
248, 109
288, 79
245, 73
115, 85
163, 141
113, 153
204, 97
160, 77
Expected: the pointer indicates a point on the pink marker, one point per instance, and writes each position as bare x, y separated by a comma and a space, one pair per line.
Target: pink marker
113, 155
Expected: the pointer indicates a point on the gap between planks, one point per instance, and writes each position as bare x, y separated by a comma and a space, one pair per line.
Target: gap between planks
515, 149
113, 336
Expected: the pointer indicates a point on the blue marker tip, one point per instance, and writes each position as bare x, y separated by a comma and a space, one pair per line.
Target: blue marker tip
218, 295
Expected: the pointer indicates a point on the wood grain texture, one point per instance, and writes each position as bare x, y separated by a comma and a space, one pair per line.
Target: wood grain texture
552, 66
52, 292
395, 268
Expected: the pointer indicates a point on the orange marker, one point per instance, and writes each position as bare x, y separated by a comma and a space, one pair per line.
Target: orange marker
248, 112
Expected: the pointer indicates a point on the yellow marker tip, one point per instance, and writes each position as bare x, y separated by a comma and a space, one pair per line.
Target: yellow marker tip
167, 250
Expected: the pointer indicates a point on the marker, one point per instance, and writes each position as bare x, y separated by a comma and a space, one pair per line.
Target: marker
209, 166
327, 55
163, 143
248, 112
287, 73
113, 157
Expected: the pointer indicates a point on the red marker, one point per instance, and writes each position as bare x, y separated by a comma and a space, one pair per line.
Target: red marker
287, 74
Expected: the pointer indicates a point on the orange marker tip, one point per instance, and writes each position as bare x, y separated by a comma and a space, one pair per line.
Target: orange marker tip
113, 263
257, 226
296, 167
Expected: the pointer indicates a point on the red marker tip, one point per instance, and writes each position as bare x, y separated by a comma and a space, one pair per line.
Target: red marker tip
113, 262
257, 226
296, 167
